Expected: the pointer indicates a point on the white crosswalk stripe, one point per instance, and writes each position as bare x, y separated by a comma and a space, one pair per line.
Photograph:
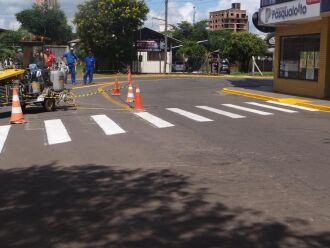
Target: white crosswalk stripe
154, 120
293, 106
221, 112
56, 132
4, 131
189, 115
255, 111
272, 107
108, 126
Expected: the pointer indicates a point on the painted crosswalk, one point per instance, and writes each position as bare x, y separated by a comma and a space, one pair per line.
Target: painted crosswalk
255, 111
56, 132
272, 107
189, 115
154, 120
221, 112
4, 131
107, 125
293, 106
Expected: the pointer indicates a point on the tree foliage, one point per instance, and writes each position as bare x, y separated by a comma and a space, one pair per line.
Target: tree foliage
235, 46
187, 31
107, 26
8, 42
193, 53
242, 46
218, 40
45, 21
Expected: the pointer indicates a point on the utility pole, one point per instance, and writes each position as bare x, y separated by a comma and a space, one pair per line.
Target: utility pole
165, 52
194, 19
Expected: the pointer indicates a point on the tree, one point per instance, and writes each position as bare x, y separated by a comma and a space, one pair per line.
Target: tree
218, 40
8, 42
110, 26
242, 46
45, 21
187, 31
194, 54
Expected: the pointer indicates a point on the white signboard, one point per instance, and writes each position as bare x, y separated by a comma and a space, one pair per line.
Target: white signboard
290, 11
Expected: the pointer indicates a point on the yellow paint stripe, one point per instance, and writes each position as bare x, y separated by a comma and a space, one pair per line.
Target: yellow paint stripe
112, 100
293, 101
195, 76
97, 85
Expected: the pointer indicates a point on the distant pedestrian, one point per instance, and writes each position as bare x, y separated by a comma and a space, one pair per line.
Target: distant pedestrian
71, 59
89, 67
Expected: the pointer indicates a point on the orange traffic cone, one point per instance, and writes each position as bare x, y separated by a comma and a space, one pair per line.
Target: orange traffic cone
138, 100
130, 79
115, 91
130, 94
16, 112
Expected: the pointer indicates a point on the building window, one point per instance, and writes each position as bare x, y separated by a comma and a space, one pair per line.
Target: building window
155, 56
300, 57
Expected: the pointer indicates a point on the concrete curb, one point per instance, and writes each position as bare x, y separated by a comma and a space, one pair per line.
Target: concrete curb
293, 101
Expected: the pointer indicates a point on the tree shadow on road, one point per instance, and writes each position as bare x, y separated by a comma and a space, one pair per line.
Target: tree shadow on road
260, 85
102, 206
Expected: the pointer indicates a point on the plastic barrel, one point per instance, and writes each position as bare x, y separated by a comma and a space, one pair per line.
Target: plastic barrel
57, 78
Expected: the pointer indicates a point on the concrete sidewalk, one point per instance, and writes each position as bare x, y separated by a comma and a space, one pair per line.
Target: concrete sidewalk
266, 93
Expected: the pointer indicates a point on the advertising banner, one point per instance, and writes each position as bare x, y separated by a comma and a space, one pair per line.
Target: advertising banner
148, 46
289, 11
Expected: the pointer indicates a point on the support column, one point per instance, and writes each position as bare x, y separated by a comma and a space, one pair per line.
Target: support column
327, 60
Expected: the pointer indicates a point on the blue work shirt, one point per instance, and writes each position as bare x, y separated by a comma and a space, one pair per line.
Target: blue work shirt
89, 62
70, 58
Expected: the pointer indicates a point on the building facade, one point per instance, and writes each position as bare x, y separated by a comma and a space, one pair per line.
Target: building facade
234, 19
51, 3
302, 45
150, 51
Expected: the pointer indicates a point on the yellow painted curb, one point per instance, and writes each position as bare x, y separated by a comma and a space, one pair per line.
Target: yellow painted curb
292, 101
251, 95
322, 108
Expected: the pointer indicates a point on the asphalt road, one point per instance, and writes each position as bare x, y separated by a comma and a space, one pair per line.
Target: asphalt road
255, 181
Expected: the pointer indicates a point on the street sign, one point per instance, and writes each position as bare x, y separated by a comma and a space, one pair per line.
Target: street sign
289, 11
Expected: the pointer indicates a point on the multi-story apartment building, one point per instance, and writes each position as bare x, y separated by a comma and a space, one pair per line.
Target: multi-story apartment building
234, 19
51, 3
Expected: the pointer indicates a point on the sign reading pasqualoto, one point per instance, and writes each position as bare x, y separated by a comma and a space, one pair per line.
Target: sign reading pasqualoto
290, 11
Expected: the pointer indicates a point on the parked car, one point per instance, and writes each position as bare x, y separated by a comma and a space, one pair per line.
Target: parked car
224, 66
178, 67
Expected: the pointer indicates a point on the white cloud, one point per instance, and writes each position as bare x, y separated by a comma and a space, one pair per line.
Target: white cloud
176, 13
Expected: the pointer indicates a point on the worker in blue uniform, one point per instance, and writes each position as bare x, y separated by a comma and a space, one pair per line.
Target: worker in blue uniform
89, 67
71, 59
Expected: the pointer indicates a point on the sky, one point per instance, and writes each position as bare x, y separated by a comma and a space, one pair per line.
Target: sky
179, 10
